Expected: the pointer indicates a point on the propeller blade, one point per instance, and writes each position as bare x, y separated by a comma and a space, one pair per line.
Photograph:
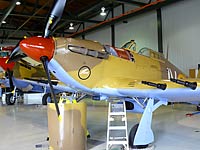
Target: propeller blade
16, 55
44, 60
10, 74
54, 16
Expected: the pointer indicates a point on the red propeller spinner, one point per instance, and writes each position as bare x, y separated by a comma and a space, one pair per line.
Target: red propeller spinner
36, 47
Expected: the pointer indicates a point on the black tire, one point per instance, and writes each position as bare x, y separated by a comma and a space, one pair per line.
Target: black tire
9, 99
132, 137
198, 107
45, 98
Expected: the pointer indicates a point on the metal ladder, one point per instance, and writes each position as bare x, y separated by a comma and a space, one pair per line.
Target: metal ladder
117, 126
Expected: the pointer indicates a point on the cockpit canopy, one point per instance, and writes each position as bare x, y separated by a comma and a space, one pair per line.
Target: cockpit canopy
131, 45
151, 53
5, 51
119, 52
4, 54
95, 49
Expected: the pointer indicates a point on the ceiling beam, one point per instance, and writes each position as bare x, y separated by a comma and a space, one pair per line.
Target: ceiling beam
23, 30
11, 38
44, 17
13, 33
132, 2
9, 9
29, 30
91, 8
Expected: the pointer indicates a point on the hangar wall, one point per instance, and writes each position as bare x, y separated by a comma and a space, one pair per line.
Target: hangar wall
103, 36
181, 30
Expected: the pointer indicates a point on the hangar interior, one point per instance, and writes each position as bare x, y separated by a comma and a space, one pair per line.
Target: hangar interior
167, 26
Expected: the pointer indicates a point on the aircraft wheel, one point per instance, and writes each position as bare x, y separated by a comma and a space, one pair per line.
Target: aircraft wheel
46, 98
9, 99
198, 107
132, 137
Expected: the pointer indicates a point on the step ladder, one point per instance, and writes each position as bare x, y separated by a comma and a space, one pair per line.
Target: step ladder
117, 126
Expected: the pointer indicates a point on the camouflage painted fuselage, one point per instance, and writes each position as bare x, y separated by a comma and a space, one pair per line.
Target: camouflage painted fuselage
95, 66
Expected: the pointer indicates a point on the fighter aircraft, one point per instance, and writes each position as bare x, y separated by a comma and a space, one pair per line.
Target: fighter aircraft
25, 77
145, 80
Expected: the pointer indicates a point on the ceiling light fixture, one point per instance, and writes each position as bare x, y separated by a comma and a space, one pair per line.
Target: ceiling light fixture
103, 13
3, 21
71, 26
18, 3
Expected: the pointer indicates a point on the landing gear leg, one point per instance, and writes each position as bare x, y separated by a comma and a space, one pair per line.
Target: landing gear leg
141, 135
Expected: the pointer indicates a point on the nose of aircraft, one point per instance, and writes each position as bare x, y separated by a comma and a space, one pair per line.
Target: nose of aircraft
36, 47
5, 65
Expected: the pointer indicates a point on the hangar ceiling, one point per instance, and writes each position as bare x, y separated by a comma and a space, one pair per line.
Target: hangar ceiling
29, 18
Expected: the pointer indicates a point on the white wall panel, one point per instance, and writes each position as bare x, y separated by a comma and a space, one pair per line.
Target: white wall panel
181, 33
142, 29
102, 35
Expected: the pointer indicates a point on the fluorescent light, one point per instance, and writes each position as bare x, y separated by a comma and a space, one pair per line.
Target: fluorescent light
71, 26
103, 13
3, 21
18, 3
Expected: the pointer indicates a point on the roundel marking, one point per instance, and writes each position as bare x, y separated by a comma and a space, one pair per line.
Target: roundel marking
84, 72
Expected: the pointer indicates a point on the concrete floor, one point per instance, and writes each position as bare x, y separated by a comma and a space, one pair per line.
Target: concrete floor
22, 127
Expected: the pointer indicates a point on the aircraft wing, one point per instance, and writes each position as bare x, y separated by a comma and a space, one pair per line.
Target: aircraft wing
4, 82
54, 82
39, 86
174, 92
